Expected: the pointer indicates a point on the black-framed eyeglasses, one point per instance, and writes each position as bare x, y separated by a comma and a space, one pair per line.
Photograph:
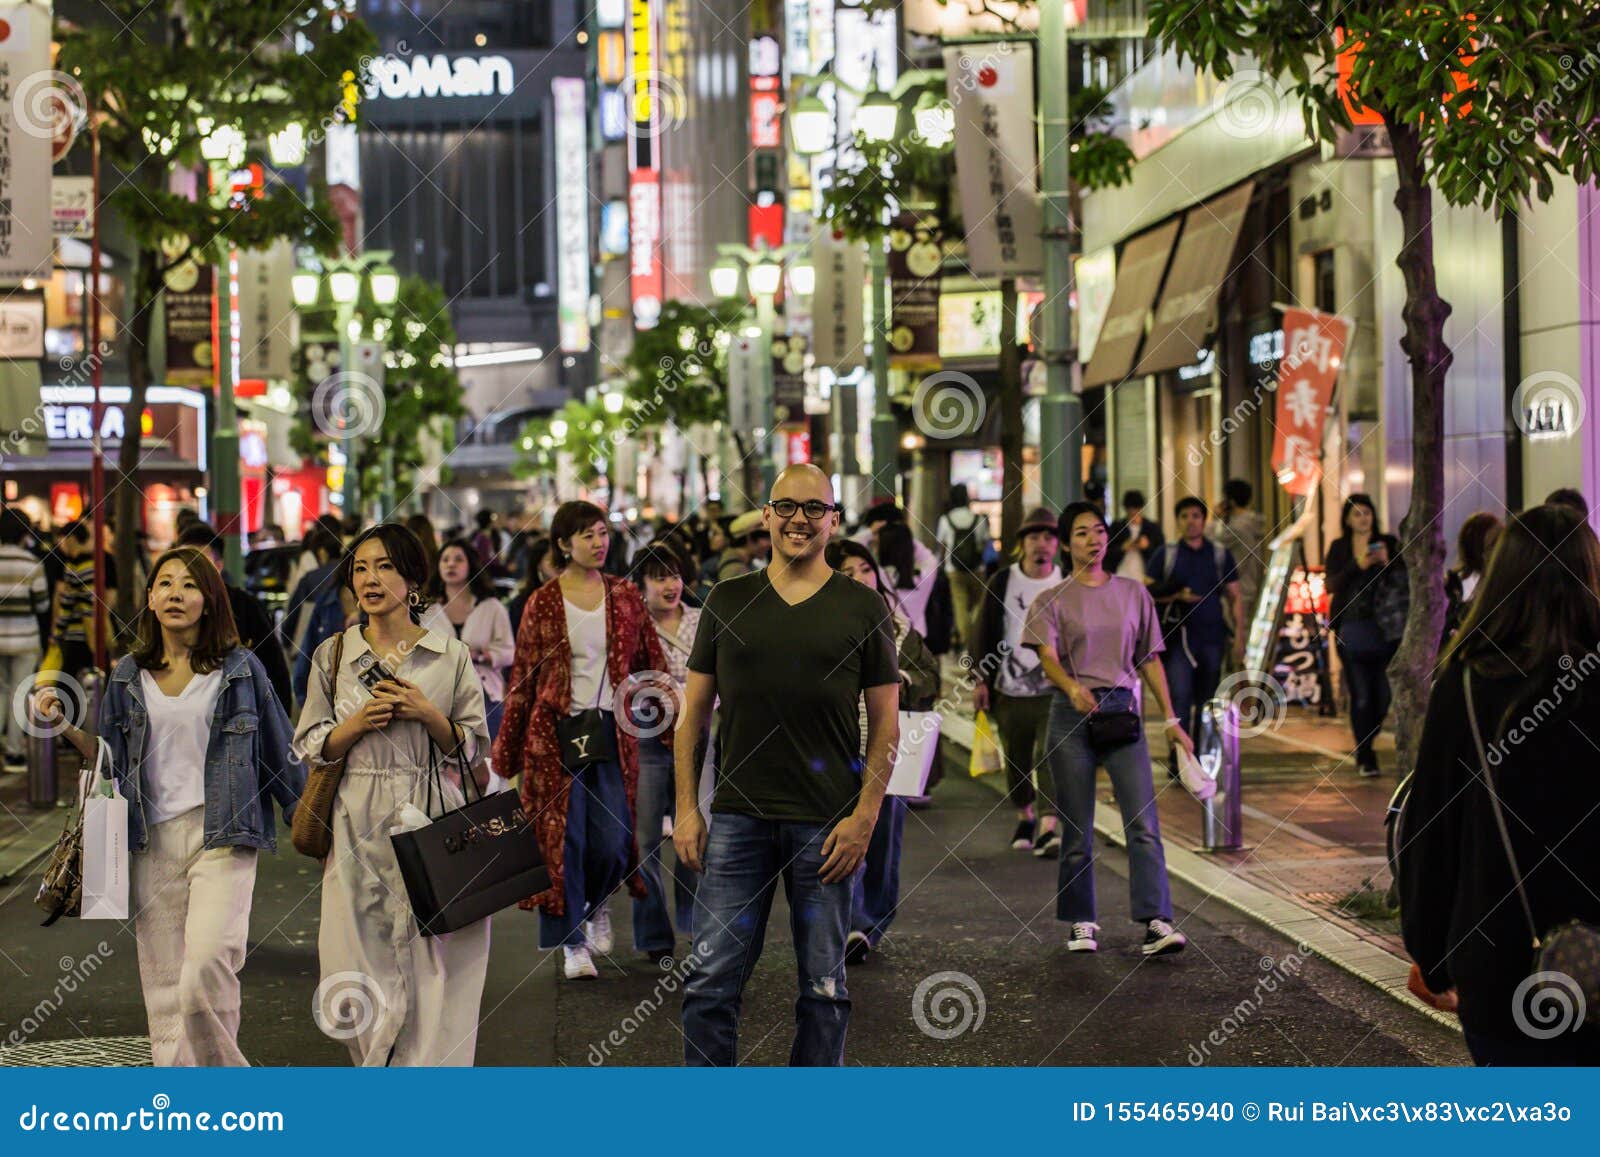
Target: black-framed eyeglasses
813, 510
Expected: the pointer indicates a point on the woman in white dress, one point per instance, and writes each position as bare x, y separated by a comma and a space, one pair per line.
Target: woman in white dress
465, 608
393, 996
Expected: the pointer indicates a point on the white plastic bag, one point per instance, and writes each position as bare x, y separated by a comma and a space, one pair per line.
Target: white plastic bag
919, 740
1199, 784
105, 845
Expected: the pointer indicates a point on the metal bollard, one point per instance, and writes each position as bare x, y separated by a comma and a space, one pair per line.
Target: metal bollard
1218, 752
40, 749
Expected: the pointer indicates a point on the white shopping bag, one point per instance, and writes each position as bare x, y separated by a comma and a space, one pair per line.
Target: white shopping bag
919, 740
105, 845
1197, 778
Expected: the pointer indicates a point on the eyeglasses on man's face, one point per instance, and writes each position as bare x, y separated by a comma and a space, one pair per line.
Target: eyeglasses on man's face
813, 510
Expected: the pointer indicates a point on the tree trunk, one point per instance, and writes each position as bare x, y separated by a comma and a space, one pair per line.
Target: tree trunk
1422, 531
126, 498
1011, 432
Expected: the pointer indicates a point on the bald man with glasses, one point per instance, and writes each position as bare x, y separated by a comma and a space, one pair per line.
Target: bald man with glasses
790, 651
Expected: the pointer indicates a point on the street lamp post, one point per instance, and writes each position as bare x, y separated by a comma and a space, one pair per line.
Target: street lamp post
1061, 408
225, 438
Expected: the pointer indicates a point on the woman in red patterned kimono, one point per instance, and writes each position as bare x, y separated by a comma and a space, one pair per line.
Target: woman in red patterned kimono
586, 649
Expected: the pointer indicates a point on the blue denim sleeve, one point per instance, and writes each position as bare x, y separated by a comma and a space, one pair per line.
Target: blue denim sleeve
282, 775
113, 707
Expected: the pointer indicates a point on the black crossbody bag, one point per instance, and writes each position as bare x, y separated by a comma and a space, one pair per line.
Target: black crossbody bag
1108, 730
588, 737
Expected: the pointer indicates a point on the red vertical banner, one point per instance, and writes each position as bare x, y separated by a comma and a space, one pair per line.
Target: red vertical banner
644, 165
1313, 350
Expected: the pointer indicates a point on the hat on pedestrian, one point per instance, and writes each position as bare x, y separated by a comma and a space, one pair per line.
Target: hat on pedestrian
746, 524
1039, 518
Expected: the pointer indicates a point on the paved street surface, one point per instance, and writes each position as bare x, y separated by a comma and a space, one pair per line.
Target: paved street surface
971, 907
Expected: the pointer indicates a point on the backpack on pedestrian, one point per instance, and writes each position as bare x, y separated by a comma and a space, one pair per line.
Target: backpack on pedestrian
966, 552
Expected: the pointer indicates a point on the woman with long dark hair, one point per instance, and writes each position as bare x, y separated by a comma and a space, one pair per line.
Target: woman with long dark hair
394, 700
912, 582
1473, 543
540, 569
464, 605
567, 732
1502, 844
876, 888
199, 745
1359, 562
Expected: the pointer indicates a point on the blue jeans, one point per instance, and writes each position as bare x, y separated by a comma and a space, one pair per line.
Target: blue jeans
494, 712
744, 860
1191, 684
652, 922
599, 840
1072, 766
1367, 677
875, 889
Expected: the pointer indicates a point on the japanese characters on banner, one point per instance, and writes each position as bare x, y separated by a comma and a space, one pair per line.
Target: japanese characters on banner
72, 206
838, 323
1313, 349
27, 241
1301, 662
745, 382
572, 212
269, 325
644, 174
191, 356
991, 92
915, 260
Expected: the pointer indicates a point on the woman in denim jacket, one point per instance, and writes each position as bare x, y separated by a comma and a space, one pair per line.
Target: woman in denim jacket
199, 744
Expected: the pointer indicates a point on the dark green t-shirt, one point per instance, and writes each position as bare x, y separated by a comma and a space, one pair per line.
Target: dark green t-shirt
790, 680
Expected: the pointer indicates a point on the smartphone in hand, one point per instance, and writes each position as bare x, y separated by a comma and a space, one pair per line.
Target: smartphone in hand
371, 672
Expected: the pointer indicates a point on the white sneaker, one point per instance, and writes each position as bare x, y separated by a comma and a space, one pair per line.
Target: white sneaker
597, 932
1083, 939
1162, 939
579, 965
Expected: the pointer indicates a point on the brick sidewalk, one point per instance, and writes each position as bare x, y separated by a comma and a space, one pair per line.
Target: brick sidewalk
1313, 829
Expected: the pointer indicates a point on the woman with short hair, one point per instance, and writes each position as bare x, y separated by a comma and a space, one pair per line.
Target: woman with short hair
395, 701
568, 734
464, 606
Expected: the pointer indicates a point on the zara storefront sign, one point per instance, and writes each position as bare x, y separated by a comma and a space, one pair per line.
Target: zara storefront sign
410, 77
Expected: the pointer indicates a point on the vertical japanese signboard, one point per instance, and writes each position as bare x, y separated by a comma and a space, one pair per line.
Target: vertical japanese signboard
188, 304
915, 260
269, 327
991, 93
836, 304
1313, 350
572, 212
26, 127
644, 173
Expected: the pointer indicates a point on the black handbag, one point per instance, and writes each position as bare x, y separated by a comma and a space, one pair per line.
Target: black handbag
1565, 973
471, 861
586, 738
1107, 730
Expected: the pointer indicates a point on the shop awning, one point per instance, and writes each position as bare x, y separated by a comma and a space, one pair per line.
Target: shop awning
1187, 314
1144, 260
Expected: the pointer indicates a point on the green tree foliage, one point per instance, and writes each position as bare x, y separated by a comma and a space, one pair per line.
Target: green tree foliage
585, 431
1485, 105
421, 389
160, 79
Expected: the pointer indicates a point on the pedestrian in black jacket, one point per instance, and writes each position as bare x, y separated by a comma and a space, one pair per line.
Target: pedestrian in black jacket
1358, 561
1529, 646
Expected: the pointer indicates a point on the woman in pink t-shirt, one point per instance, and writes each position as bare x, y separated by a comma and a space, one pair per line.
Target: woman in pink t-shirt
1096, 634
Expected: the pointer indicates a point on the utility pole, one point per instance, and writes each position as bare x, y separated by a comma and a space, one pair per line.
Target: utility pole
885, 437
1061, 409
225, 439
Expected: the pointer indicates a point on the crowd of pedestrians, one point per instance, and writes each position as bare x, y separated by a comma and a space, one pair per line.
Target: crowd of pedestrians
698, 712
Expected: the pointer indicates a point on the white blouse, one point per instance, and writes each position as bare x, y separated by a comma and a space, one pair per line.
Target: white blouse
487, 630
175, 744
591, 681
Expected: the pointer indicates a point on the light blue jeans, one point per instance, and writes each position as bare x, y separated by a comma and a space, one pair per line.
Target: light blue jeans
1072, 766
